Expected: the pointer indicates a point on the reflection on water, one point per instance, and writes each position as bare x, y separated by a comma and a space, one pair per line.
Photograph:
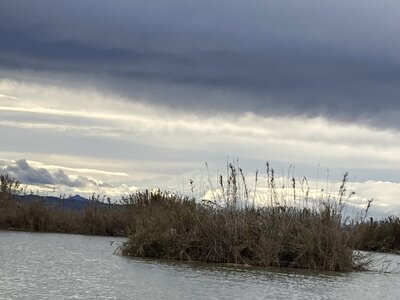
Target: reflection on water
59, 266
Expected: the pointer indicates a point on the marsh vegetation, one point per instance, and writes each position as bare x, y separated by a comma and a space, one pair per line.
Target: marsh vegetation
96, 217
230, 228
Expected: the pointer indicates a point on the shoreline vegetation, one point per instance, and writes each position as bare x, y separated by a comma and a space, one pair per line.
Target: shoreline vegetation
312, 234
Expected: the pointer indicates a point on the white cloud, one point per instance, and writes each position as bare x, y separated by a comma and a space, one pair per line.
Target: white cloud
25, 173
385, 195
77, 170
7, 97
42, 178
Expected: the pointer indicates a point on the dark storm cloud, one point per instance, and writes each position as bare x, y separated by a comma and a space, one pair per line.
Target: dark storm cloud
27, 174
22, 171
337, 58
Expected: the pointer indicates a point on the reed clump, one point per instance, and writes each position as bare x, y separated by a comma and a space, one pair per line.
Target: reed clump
282, 237
379, 235
180, 228
233, 231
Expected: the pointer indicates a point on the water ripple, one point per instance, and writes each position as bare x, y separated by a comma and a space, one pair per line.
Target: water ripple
59, 266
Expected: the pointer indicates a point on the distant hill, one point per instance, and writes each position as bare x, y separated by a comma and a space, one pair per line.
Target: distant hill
74, 202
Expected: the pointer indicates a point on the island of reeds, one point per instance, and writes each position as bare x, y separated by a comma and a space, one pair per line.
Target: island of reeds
233, 230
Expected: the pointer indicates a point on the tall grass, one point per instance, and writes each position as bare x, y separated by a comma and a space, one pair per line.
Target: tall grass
273, 236
379, 235
96, 218
233, 230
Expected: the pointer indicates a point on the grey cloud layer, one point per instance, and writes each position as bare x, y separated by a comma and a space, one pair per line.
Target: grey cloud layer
338, 58
26, 174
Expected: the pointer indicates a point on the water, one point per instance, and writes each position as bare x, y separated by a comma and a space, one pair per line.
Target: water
60, 266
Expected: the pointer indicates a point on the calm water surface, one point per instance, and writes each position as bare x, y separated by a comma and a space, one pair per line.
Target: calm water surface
59, 266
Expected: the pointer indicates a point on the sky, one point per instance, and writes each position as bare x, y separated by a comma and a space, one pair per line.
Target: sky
114, 96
